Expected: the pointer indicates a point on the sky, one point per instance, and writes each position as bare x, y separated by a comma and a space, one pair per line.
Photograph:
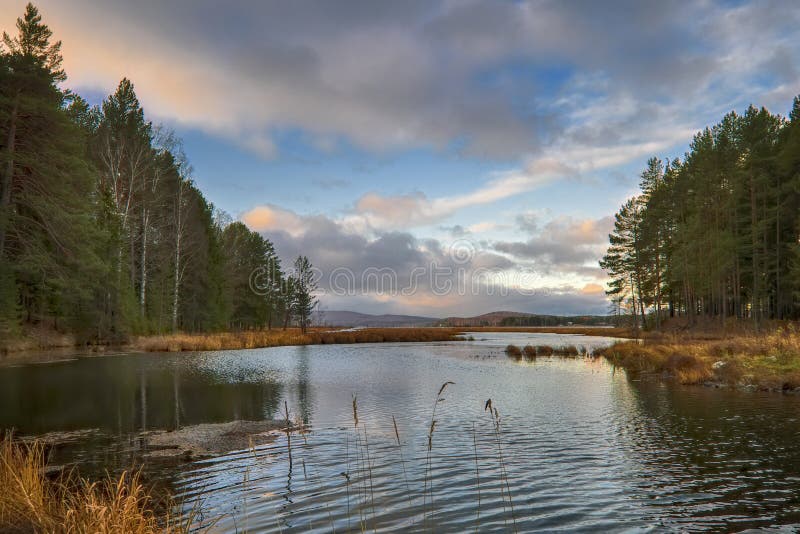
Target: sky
430, 157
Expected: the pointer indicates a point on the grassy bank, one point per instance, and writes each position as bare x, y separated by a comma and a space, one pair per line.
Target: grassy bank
769, 361
30, 501
33, 338
43, 339
293, 336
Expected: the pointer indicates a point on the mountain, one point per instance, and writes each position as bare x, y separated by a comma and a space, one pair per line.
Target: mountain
349, 318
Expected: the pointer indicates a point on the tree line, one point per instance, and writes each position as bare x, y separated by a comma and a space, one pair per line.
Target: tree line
103, 232
716, 234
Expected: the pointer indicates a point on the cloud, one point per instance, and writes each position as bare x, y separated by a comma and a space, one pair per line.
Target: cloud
416, 209
563, 245
485, 226
272, 218
398, 272
466, 76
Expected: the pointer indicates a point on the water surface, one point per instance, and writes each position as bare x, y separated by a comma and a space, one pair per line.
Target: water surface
581, 446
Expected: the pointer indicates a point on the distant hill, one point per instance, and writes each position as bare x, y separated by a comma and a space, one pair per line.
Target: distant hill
497, 318
510, 318
348, 318
487, 319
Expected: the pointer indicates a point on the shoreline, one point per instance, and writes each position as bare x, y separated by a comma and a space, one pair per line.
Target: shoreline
767, 361
28, 349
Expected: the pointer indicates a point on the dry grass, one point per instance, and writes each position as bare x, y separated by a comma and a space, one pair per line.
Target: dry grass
32, 502
769, 360
252, 339
35, 338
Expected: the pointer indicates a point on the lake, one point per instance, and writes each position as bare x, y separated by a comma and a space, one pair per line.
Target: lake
579, 445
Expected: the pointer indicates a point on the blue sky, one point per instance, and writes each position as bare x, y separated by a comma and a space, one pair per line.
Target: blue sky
388, 135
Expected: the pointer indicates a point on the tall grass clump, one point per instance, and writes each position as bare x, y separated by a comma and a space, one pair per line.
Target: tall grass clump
513, 351
529, 351
568, 351
32, 502
768, 360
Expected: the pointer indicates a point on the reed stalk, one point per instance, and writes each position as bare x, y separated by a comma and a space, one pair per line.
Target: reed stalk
477, 478
428, 482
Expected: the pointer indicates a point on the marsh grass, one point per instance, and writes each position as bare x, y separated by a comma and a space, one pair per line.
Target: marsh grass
529, 352
251, 339
32, 502
768, 361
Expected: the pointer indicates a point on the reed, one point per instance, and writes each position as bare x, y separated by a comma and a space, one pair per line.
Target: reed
477, 478
32, 502
428, 482
402, 460
251, 339
568, 351
364, 468
288, 434
544, 350
529, 352
513, 351
495, 416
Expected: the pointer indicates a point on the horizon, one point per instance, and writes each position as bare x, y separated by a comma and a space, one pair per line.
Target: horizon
491, 137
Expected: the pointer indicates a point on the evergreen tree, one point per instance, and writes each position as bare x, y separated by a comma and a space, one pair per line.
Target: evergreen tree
304, 300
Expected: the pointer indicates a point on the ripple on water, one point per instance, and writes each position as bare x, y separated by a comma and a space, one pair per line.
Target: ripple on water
581, 447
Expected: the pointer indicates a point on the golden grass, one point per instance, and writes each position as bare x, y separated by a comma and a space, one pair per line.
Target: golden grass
251, 339
769, 360
32, 502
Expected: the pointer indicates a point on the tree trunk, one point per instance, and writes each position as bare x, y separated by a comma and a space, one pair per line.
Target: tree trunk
8, 175
176, 283
143, 290
755, 298
658, 282
634, 312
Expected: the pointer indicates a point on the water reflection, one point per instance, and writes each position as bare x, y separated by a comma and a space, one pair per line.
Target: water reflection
126, 394
726, 457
